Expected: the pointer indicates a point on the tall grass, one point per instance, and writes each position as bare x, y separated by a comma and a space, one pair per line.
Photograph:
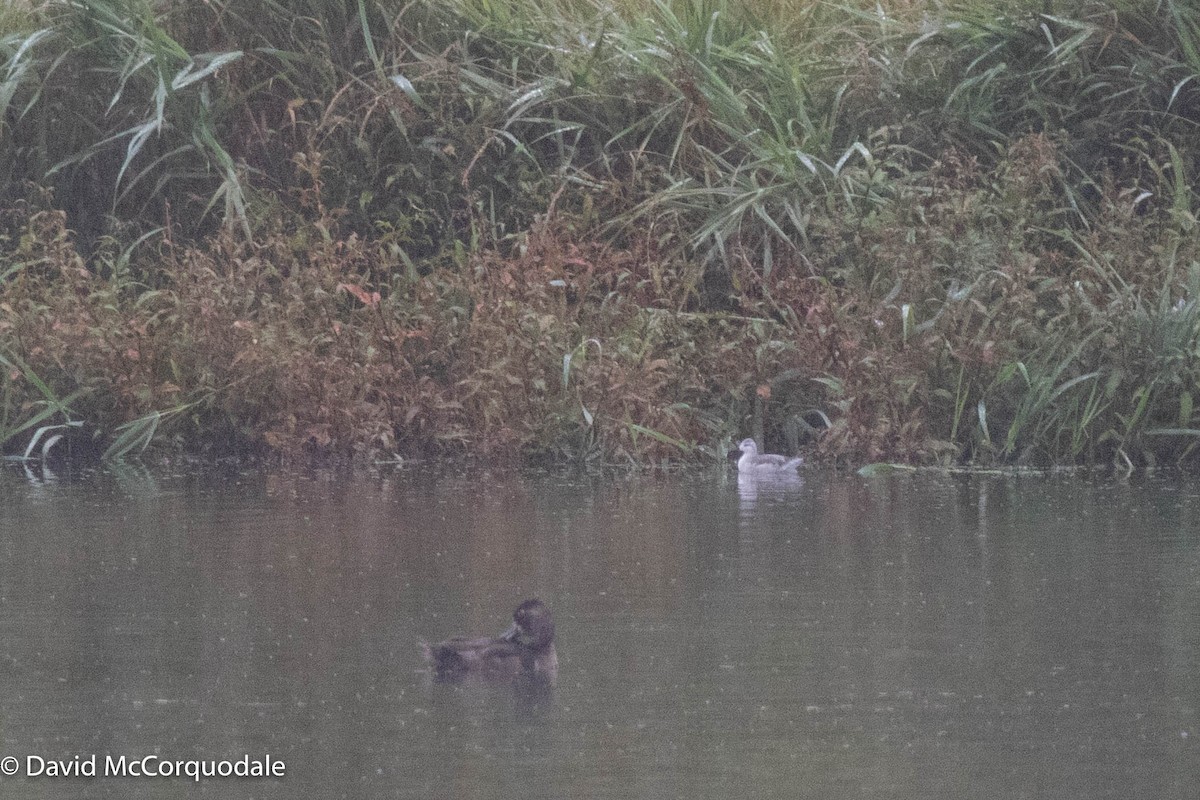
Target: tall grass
947, 231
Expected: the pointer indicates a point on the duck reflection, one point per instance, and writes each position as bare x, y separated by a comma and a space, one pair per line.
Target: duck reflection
757, 489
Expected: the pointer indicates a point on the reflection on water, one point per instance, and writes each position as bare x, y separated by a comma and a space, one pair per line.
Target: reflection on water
816, 636
756, 492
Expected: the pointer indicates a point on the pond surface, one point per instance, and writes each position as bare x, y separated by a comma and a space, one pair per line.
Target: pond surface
832, 637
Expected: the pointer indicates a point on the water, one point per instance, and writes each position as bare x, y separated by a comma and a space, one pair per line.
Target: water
835, 637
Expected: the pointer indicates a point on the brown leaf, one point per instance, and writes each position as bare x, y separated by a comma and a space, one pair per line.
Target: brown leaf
368, 299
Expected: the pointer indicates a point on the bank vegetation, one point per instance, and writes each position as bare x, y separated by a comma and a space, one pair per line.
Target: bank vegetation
603, 230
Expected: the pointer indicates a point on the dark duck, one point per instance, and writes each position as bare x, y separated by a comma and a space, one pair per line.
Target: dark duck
525, 649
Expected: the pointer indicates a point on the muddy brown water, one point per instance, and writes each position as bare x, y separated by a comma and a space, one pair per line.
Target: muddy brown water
827, 637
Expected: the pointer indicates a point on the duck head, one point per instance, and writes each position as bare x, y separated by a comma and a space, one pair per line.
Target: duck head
748, 447
532, 626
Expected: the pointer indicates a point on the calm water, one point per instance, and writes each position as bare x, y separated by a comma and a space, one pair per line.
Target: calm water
836, 637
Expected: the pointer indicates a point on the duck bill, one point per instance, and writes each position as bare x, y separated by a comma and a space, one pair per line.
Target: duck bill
510, 635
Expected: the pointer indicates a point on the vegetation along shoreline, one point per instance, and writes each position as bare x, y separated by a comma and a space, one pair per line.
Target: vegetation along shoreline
933, 233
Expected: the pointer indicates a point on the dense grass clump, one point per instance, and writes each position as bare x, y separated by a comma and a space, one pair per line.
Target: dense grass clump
930, 232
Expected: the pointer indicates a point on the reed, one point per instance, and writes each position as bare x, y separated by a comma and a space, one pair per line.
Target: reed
937, 232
